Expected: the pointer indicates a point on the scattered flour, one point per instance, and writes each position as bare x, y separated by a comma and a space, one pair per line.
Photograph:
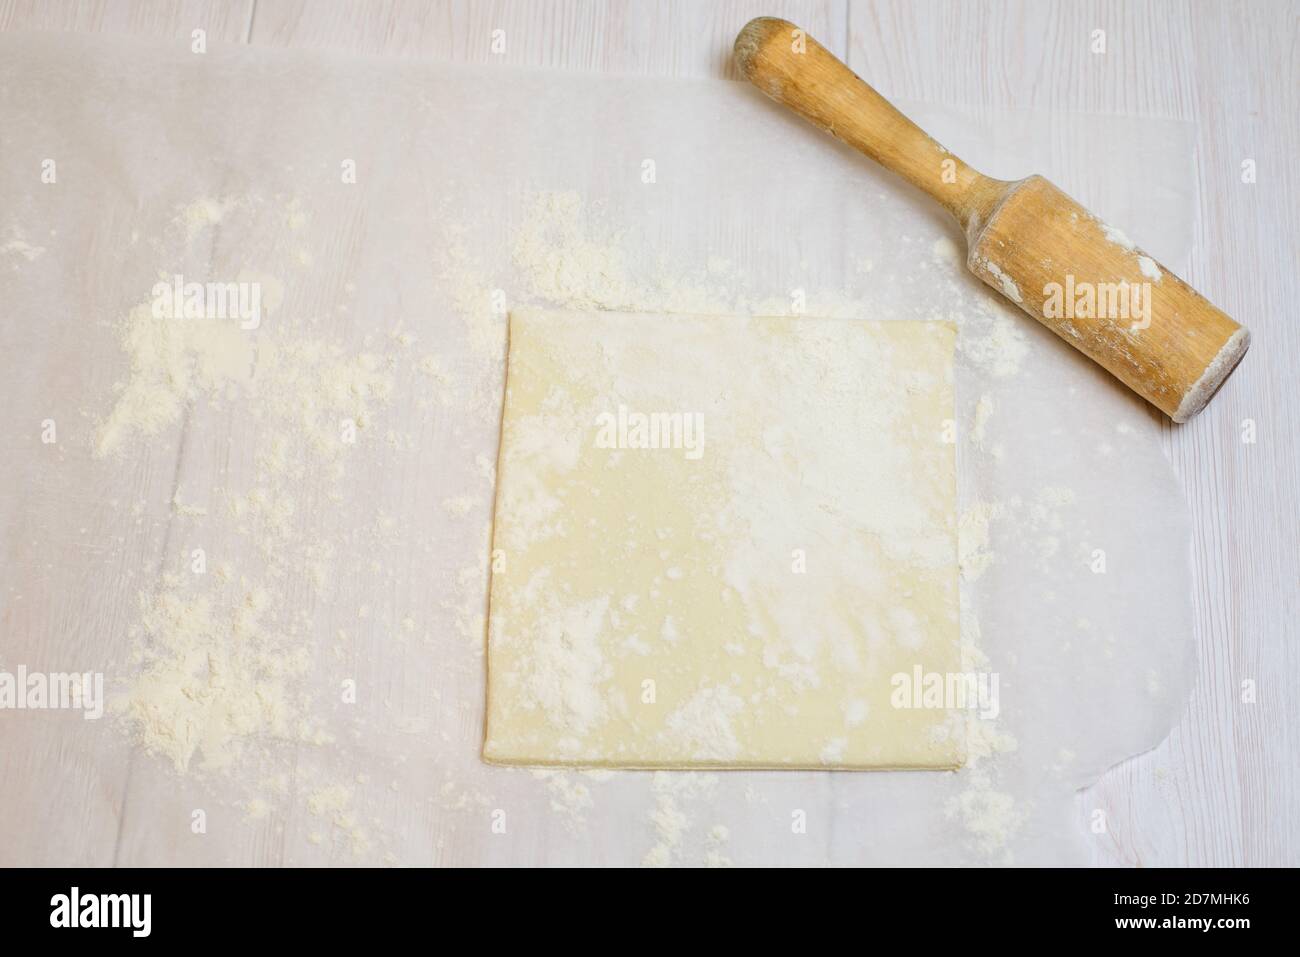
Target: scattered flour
334, 804
988, 816
1149, 268
203, 212
1005, 282
570, 799
19, 247
673, 791
983, 412
992, 340
1117, 237
213, 682
220, 662
715, 847
973, 552
1146, 264
256, 809
172, 363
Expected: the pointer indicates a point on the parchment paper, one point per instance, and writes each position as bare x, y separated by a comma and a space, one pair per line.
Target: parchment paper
749, 210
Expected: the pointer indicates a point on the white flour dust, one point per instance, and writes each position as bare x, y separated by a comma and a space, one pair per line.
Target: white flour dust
221, 681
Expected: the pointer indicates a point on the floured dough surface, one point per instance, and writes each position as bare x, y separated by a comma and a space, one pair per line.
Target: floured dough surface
718, 540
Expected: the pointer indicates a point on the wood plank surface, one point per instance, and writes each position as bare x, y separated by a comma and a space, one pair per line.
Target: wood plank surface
1224, 789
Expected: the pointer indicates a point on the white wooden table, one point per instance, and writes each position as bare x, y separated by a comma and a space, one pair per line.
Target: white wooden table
1224, 789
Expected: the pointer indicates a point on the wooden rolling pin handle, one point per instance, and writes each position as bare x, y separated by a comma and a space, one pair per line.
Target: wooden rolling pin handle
797, 71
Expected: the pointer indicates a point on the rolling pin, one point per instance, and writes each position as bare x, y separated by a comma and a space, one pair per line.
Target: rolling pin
1083, 279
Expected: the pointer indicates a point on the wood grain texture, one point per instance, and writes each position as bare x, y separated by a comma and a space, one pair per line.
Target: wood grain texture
224, 20
671, 38
1246, 497
1224, 789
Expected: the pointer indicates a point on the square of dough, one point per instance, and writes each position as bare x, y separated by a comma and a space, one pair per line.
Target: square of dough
718, 539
